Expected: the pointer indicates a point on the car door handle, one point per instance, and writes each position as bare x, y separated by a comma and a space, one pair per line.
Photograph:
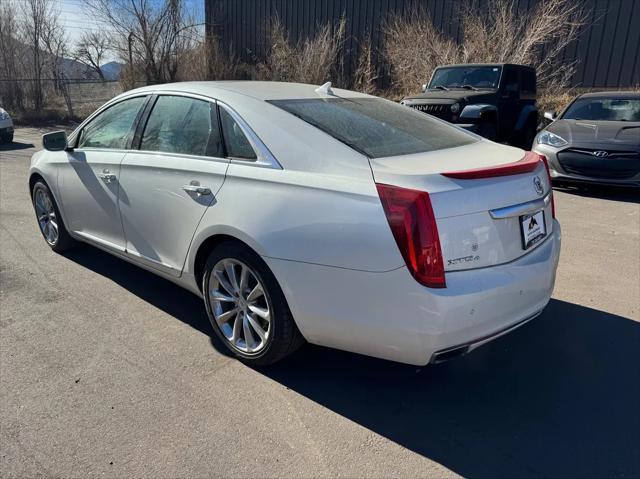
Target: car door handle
197, 189
107, 176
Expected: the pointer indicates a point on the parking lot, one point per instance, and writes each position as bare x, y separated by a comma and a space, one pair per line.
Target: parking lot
107, 370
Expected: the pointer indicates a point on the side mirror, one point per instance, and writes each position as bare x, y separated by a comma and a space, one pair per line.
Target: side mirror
424, 87
550, 115
55, 141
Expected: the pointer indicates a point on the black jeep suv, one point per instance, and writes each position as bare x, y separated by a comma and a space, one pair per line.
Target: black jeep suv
497, 101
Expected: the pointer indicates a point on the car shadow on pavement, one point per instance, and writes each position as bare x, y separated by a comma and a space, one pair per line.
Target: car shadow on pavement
558, 397
161, 293
16, 145
628, 195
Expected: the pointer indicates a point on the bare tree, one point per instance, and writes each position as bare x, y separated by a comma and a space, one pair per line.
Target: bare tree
91, 50
149, 34
11, 89
55, 46
36, 14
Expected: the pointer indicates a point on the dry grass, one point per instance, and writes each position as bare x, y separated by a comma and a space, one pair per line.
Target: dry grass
313, 60
366, 73
413, 47
554, 99
208, 60
496, 33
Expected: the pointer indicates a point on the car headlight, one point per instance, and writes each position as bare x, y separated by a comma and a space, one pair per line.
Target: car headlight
455, 108
551, 139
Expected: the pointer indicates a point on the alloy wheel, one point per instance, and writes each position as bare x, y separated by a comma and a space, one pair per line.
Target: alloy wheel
240, 305
46, 215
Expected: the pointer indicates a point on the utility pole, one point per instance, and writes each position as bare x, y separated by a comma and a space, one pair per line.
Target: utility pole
131, 74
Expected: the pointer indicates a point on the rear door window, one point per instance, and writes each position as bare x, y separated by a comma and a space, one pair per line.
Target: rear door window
183, 125
236, 142
528, 81
511, 82
376, 127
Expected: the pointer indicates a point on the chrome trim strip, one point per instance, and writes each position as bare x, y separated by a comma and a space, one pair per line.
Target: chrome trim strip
520, 209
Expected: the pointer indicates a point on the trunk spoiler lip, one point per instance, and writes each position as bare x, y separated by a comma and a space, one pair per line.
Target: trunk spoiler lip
527, 164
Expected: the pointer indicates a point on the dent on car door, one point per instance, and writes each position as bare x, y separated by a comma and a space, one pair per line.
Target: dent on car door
89, 180
169, 183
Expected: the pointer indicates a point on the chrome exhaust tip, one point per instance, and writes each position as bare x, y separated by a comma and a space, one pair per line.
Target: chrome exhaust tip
448, 354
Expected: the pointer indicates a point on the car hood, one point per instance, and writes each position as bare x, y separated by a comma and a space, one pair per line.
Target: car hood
452, 95
600, 133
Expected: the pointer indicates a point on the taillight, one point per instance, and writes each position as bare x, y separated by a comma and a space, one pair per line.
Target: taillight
414, 228
546, 166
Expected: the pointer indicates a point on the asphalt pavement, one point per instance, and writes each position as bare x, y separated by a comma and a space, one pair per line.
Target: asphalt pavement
107, 370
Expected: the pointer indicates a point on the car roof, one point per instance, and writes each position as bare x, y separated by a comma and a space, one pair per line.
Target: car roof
259, 90
611, 94
296, 144
528, 67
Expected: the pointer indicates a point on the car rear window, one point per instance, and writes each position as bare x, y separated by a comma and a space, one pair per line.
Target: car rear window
375, 127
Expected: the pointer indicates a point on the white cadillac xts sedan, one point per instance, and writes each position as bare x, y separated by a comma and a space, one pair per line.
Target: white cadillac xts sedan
304, 213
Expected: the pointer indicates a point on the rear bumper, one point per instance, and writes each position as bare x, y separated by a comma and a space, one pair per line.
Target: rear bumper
391, 316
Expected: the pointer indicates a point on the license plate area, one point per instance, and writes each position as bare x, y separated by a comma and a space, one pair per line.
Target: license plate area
533, 229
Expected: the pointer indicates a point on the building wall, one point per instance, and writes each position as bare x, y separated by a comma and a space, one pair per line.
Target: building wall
608, 51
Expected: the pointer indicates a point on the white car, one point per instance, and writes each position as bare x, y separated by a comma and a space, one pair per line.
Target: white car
300, 212
6, 127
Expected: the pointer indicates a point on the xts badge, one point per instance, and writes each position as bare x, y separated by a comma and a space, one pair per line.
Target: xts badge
464, 259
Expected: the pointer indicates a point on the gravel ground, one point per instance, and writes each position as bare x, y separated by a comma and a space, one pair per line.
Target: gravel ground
107, 370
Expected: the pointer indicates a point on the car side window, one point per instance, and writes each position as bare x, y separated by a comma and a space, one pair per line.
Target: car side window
113, 127
528, 80
511, 83
236, 142
183, 125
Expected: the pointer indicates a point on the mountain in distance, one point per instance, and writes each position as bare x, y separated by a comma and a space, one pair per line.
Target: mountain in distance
111, 70
74, 69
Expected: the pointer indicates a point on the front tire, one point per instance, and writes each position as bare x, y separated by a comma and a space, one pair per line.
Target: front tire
49, 219
246, 306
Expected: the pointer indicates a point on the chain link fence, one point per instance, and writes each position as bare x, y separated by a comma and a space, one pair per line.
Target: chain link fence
61, 100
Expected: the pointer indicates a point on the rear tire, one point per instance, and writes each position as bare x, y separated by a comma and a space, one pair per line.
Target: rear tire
49, 219
256, 328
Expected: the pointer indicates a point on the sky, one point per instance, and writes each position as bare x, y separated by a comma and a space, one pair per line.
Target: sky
76, 21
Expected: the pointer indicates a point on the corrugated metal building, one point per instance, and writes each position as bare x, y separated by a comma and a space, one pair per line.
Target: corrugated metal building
608, 51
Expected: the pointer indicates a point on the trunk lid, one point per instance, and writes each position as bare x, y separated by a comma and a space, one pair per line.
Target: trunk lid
479, 220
